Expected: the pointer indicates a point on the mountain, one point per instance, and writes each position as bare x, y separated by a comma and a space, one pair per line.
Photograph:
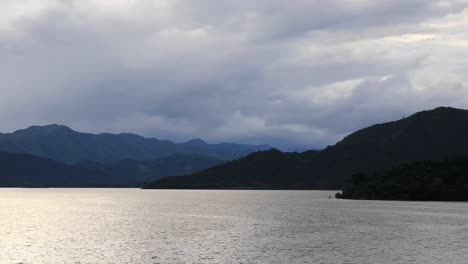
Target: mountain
427, 135
271, 169
24, 170
137, 172
445, 180
64, 144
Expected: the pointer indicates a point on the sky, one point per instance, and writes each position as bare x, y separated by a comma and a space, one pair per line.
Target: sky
298, 73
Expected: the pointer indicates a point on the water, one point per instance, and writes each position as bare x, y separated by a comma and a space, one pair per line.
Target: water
136, 226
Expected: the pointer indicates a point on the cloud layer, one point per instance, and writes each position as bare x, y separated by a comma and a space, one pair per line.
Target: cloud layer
286, 73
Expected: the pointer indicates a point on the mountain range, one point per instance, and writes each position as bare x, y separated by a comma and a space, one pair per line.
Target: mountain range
25, 170
63, 144
57, 156
426, 135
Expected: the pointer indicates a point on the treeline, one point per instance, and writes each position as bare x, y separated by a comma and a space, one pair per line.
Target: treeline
445, 180
427, 135
24, 170
269, 169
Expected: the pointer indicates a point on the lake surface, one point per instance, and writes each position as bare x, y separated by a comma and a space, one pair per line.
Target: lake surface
153, 226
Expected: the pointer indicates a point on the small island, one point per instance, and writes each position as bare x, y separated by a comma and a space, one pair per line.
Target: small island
445, 180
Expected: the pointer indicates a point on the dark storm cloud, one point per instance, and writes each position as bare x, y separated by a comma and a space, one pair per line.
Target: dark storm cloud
285, 73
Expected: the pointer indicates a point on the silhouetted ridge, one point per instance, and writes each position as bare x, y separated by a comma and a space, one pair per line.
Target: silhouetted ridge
196, 141
445, 180
427, 135
44, 130
24, 170
415, 123
253, 171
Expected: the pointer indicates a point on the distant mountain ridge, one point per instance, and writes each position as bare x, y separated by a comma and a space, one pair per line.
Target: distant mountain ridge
137, 172
61, 143
427, 135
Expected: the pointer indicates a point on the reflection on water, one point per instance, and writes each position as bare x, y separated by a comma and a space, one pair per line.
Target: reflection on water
135, 226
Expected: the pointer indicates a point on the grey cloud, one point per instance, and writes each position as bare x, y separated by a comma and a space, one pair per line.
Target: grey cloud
283, 19
286, 73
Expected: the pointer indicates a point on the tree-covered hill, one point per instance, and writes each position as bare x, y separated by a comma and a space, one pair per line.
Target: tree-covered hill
445, 180
24, 170
137, 172
427, 135
260, 170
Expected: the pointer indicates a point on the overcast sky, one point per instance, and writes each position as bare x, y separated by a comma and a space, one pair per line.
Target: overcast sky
285, 73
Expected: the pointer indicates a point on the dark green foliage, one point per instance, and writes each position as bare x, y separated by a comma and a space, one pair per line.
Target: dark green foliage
63, 144
445, 180
428, 135
23, 170
261, 170
137, 172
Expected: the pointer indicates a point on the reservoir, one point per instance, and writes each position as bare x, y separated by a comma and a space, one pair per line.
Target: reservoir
179, 226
